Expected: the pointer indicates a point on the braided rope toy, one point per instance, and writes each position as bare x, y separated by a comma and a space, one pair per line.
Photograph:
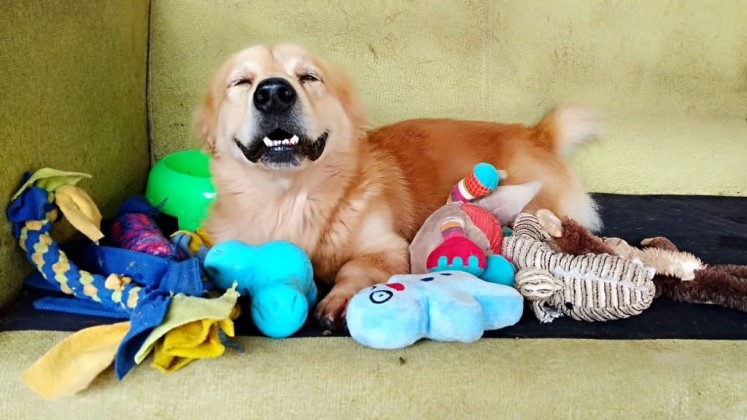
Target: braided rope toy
585, 287
33, 214
134, 285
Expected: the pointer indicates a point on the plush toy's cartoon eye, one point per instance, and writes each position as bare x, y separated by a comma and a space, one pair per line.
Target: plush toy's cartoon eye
427, 279
381, 296
445, 274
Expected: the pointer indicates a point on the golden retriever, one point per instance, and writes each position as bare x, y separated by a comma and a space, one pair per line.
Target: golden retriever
292, 159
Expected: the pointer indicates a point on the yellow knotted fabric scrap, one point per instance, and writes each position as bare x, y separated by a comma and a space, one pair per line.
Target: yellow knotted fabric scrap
80, 210
50, 179
75, 362
190, 331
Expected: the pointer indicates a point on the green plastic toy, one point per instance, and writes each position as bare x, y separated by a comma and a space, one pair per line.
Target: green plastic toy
181, 182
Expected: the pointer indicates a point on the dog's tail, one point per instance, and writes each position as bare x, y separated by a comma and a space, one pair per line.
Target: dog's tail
566, 127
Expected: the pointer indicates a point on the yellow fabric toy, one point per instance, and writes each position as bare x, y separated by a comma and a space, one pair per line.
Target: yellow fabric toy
50, 179
80, 210
190, 331
75, 362
194, 340
197, 240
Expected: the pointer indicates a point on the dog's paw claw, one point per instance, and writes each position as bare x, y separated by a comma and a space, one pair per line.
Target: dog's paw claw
328, 325
331, 313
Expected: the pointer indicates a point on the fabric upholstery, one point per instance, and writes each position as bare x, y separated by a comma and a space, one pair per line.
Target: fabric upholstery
73, 81
336, 378
670, 77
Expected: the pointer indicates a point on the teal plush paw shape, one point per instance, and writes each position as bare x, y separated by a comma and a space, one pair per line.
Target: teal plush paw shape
277, 277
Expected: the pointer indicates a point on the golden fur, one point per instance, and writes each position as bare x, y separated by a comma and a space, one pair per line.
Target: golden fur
355, 209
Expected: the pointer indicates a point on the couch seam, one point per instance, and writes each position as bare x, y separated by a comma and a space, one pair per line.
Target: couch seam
148, 116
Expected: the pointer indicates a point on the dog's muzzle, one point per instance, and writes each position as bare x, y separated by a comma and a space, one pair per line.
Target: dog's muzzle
281, 139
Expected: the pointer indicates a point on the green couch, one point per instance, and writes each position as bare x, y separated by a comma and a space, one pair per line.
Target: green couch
106, 87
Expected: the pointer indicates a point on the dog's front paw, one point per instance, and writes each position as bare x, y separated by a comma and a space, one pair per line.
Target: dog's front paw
330, 312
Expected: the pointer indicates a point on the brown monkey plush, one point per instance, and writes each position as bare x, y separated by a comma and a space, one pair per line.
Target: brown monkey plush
680, 275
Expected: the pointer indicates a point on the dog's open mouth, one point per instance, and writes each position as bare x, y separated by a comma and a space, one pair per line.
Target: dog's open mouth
282, 148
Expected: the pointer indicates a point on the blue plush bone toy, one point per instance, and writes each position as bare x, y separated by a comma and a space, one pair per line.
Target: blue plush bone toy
277, 276
443, 306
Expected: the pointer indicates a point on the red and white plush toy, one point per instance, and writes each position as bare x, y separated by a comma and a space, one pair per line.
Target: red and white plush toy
466, 234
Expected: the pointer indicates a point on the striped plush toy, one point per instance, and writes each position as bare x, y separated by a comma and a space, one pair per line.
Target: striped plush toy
591, 287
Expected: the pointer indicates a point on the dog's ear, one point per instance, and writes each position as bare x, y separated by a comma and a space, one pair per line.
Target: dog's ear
206, 121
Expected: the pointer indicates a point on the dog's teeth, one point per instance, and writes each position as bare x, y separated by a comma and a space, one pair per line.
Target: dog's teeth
276, 143
286, 141
294, 139
267, 142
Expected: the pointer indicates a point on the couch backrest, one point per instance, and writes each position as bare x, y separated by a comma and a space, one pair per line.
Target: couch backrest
72, 83
671, 77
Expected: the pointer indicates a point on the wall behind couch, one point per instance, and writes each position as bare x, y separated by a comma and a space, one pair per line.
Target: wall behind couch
670, 77
72, 83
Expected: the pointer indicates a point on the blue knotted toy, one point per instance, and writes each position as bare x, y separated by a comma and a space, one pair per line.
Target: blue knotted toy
443, 306
277, 276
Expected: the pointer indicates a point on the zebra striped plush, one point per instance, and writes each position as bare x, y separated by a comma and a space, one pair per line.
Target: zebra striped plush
592, 287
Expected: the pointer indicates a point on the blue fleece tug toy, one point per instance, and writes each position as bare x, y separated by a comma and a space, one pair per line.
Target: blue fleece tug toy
277, 276
121, 283
443, 306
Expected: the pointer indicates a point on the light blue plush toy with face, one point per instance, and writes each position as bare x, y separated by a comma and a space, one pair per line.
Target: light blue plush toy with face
442, 306
277, 277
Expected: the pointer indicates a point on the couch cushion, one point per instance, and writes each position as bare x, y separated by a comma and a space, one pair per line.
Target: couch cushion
336, 378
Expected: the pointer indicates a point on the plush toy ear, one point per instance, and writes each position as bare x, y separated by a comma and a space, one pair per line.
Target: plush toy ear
550, 222
508, 201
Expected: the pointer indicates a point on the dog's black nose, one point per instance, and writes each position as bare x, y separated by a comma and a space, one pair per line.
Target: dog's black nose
274, 96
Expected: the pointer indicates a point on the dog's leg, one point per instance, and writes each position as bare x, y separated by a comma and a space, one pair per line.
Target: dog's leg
358, 273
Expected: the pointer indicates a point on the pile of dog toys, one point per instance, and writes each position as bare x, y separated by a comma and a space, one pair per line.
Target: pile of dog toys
176, 297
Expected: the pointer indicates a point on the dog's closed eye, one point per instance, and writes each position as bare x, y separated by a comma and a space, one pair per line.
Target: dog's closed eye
309, 77
240, 81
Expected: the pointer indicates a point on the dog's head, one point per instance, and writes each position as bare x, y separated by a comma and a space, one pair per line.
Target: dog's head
279, 107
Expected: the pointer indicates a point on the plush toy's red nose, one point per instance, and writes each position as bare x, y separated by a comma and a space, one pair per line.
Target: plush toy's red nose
396, 286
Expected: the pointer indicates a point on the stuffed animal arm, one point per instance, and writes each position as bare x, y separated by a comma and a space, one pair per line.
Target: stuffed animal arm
678, 264
585, 287
666, 259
